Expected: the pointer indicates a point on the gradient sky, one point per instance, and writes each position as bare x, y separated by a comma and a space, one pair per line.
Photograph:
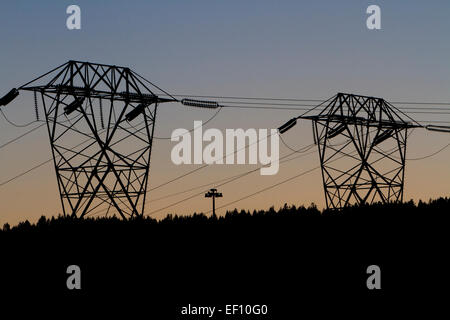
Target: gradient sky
286, 49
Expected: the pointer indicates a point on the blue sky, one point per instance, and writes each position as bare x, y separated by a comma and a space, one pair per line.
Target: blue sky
242, 47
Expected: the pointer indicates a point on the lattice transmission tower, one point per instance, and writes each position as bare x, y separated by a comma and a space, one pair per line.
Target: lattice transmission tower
362, 149
100, 121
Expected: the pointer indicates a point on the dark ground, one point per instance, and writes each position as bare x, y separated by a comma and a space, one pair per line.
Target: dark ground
295, 260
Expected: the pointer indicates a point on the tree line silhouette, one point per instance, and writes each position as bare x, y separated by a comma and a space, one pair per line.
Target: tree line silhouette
377, 213
264, 255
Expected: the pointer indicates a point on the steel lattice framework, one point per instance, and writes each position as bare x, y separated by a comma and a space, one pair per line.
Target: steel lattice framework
362, 148
100, 121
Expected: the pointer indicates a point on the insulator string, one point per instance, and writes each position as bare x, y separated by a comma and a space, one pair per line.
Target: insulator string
36, 107
101, 114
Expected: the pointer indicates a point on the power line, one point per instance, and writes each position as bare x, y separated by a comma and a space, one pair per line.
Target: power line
225, 179
301, 105
194, 188
21, 136
234, 178
137, 79
270, 108
226, 182
30, 131
15, 124
49, 160
25, 172
304, 149
286, 180
238, 177
269, 187
444, 111
38, 165
292, 149
430, 155
279, 183
203, 124
206, 165
307, 147
427, 156
299, 100
433, 121
243, 106
246, 98
274, 185
179, 177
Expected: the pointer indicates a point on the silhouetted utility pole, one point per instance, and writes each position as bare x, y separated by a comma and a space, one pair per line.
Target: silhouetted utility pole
212, 193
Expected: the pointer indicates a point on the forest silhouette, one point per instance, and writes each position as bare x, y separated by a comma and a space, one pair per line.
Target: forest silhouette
281, 257
378, 212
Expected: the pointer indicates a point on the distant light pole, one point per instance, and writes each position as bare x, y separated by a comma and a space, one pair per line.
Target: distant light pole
212, 193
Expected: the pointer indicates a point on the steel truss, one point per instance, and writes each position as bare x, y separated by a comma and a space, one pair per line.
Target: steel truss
100, 121
362, 149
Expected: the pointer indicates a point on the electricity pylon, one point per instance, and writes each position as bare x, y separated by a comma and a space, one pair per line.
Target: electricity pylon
362, 149
100, 120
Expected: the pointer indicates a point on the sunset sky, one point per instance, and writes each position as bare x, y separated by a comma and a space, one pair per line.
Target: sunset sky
282, 49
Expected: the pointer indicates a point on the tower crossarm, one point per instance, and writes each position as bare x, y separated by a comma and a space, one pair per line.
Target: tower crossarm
352, 120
